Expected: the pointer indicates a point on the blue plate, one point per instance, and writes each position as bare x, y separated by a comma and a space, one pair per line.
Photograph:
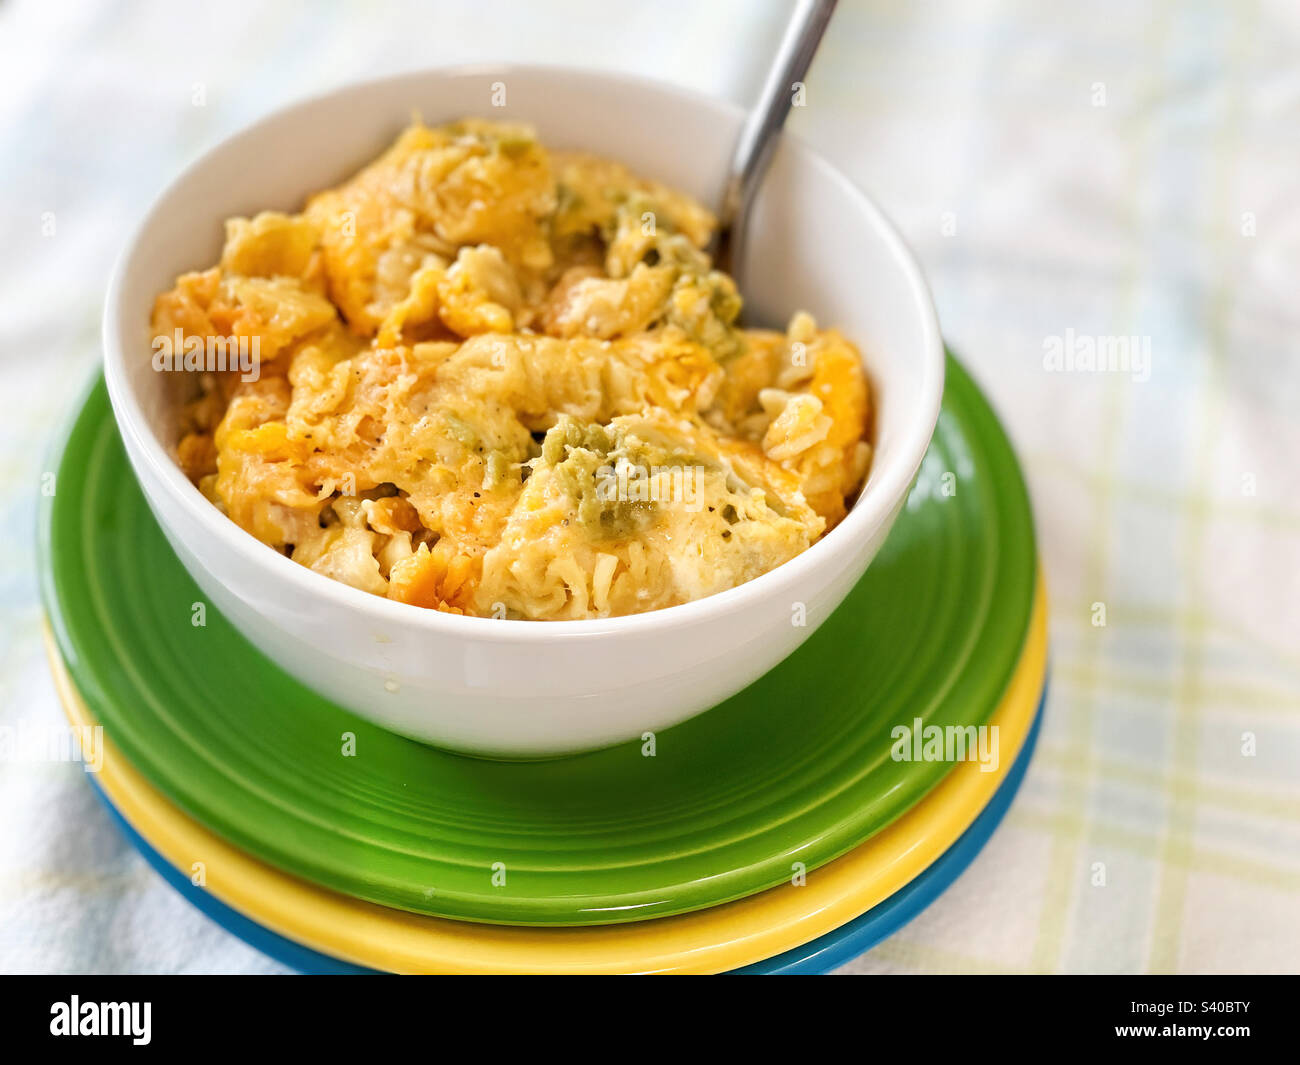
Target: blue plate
819, 956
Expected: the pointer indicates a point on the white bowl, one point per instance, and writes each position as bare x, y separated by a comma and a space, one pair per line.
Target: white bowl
528, 688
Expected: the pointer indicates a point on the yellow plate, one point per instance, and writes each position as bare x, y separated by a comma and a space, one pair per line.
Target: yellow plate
706, 941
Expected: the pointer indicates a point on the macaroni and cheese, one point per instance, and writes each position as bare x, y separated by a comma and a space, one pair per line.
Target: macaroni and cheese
503, 381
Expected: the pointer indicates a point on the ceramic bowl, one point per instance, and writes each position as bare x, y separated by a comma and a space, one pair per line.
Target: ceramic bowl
520, 689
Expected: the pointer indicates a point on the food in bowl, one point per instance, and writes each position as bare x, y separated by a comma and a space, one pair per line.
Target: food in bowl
497, 380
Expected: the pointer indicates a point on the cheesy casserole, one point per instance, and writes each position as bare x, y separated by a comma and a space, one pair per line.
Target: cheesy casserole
504, 381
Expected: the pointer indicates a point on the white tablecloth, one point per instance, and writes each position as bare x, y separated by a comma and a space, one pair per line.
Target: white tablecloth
1069, 174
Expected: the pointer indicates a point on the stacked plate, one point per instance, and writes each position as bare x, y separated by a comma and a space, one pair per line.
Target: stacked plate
785, 830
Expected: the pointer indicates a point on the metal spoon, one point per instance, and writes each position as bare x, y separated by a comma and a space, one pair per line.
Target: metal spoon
757, 139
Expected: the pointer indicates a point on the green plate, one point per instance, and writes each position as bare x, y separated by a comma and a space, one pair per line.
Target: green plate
796, 768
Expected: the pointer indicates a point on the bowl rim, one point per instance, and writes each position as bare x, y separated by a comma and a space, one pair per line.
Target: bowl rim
888, 489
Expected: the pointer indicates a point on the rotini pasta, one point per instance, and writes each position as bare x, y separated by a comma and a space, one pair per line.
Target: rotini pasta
507, 382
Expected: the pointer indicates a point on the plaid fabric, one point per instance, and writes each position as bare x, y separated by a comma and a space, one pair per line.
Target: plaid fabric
1101, 198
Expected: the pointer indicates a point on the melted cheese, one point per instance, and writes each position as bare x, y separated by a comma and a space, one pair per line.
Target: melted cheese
505, 382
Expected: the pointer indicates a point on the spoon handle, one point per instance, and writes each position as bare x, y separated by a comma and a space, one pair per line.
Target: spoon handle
757, 139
